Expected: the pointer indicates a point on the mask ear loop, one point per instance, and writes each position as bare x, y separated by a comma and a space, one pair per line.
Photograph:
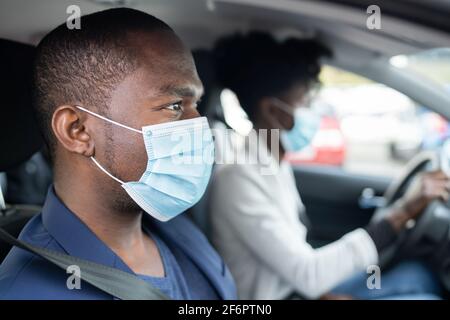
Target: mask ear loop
113, 122
105, 171
108, 120
283, 106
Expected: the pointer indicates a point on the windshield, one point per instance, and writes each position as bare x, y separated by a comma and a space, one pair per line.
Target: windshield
431, 64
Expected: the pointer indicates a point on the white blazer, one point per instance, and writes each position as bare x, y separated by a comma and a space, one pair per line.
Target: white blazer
256, 228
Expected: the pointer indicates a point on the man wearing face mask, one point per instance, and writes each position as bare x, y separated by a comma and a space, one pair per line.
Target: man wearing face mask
257, 216
117, 104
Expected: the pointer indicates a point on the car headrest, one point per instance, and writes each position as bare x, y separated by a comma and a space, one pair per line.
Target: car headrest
19, 134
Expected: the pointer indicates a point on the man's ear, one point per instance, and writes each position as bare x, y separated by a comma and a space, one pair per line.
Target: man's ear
69, 127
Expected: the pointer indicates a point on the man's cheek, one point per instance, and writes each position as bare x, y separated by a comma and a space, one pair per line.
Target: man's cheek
131, 158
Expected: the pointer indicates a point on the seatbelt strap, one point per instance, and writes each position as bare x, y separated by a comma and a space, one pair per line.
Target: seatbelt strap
115, 282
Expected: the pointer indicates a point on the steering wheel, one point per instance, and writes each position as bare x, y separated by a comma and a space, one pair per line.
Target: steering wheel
434, 223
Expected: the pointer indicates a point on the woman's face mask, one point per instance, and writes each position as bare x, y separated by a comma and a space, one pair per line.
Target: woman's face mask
180, 158
306, 125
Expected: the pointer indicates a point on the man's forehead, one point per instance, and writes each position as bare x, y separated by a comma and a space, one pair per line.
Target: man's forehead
166, 65
172, 79
193, 89
163, 50
150, 83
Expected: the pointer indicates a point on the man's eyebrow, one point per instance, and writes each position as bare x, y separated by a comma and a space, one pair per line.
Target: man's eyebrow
181, 91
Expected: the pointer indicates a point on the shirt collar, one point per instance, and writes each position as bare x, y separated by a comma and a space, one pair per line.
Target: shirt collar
75, 236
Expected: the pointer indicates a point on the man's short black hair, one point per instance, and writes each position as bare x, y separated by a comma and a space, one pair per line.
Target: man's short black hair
84, 66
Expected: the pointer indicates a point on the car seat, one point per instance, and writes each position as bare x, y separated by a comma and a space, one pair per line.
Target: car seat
19, 134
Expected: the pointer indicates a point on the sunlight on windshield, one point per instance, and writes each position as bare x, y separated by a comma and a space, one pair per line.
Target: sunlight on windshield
432, 64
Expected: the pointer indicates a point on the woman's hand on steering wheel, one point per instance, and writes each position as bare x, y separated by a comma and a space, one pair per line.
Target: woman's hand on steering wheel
425, 188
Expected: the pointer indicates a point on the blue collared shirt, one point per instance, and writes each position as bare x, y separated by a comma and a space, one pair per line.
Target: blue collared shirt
26, 276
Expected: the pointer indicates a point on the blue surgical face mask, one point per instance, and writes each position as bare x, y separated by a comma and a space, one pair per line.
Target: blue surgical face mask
180, 158
306, 125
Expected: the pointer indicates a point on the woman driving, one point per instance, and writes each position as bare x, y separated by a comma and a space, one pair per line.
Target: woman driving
258, 219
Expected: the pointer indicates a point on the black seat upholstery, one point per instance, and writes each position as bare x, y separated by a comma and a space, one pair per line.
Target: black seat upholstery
28, 182
19, 134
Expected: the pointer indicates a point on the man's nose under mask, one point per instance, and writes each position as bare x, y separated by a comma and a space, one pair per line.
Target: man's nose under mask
180, 158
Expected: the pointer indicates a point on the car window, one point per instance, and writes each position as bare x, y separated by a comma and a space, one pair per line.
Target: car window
432, 64
367, 127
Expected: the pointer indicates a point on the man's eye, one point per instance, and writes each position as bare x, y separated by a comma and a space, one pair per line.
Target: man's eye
177, 106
